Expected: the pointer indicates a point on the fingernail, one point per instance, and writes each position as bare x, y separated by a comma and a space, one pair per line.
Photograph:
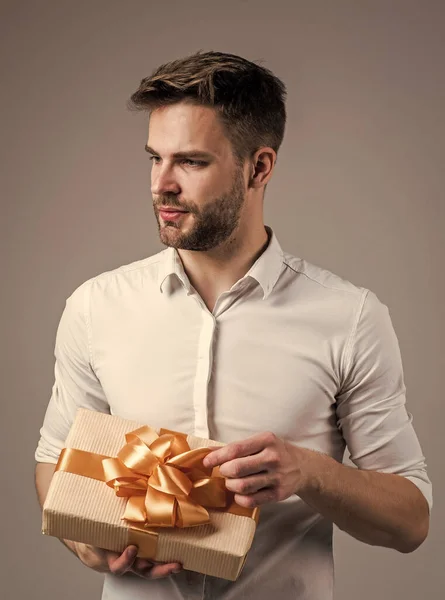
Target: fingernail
177, 570
132, 553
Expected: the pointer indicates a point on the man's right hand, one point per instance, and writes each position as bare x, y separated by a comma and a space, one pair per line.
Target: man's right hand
106, 561
101, 560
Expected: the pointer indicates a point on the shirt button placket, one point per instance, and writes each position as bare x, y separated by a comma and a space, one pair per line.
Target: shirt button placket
203, 372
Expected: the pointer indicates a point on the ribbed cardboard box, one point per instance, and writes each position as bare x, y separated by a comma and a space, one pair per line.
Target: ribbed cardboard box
85, 510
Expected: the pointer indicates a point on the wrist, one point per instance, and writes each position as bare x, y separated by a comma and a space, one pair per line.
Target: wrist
317, 468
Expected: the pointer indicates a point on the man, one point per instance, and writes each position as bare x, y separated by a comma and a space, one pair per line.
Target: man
225, 336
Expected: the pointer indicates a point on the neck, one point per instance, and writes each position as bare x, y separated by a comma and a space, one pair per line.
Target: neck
215, 271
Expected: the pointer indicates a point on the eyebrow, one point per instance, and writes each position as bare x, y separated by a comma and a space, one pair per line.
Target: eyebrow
188, 154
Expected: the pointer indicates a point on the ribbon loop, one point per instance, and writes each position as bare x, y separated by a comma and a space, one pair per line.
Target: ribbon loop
172, 481
165, 481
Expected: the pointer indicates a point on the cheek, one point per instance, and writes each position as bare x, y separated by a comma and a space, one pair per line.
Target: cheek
198, 190
214, 185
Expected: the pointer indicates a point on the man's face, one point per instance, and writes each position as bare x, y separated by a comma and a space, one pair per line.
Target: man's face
209, 186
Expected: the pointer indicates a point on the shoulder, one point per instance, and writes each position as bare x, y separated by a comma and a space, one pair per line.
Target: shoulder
330, 293
321, 279
131, 277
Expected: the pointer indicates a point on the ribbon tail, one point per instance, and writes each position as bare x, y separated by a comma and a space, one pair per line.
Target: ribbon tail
160, 508
135, 509
190, 513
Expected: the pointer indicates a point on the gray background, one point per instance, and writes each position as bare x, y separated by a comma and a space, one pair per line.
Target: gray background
358, 189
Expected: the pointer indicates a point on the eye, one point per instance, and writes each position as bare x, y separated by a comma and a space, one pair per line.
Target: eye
193, 163
188, 161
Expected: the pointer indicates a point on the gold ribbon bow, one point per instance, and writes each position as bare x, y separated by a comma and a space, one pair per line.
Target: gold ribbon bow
165, 482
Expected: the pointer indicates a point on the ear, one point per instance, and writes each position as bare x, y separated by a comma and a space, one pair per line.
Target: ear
262, 165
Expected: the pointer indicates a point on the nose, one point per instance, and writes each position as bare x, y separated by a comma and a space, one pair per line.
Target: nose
163, 181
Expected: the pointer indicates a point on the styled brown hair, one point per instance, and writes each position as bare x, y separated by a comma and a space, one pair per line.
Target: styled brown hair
249, 99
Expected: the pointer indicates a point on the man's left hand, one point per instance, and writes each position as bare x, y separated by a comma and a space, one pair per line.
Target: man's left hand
262, 468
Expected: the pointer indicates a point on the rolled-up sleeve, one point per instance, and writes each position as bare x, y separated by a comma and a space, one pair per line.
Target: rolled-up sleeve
371, 405
75, 382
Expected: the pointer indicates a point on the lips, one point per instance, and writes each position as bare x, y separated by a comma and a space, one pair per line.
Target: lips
170, 216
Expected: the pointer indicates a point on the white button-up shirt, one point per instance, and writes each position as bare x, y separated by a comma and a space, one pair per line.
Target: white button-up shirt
291, 348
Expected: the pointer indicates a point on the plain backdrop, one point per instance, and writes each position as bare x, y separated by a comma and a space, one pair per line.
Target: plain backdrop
358, 189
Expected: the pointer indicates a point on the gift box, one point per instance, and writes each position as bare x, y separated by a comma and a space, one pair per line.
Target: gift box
120, 482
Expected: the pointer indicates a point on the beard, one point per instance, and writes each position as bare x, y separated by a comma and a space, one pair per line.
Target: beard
212, 225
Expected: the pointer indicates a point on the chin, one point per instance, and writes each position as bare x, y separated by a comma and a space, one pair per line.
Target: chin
170, 240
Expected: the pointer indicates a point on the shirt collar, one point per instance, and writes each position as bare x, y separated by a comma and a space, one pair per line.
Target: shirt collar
265, 270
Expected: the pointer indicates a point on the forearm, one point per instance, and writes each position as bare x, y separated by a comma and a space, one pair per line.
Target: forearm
380, 509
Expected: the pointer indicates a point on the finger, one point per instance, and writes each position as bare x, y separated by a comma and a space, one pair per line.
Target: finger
265, 462
249, 485
121, 563
243, 467
159, 571
260, 497
240, 449
156, 571
141, 564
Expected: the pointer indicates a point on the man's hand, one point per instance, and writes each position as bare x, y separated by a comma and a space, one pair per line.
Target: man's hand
381, 509
263, 468
106, 561
98, 559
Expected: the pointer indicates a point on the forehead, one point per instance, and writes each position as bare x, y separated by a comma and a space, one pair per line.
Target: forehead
183, 127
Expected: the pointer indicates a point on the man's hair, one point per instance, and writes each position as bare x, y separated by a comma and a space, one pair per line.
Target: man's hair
249, 99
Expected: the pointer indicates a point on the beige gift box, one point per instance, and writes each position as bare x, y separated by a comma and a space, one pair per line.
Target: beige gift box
85, 510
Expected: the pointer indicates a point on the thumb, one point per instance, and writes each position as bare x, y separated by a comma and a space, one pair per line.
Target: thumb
119, 565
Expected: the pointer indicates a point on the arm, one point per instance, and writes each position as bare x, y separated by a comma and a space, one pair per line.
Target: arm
44, 474
75, 381
380, 509
76, 385
386, 501
389, 495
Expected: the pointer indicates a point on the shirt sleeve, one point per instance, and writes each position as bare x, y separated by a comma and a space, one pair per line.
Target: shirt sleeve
371, 405
75, 382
